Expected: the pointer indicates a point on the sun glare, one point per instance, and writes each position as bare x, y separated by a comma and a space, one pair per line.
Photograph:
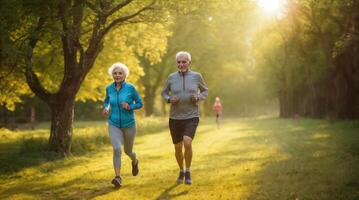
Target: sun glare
274, 7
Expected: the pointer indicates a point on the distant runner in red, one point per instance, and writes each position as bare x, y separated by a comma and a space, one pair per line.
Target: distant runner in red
217, 107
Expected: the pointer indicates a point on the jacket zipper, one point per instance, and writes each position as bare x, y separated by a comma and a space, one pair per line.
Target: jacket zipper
184, 87
119, 106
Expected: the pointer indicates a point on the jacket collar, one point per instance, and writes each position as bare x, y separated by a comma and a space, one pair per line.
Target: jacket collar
113, 85
184, 73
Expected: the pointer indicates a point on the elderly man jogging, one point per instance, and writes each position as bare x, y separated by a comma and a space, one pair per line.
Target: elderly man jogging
183, 90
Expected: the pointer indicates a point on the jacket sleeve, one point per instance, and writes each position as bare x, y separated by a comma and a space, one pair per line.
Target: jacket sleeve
106, 102
202, 88
166, 91
137, 103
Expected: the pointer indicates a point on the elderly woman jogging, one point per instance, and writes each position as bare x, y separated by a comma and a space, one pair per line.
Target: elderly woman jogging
120, 102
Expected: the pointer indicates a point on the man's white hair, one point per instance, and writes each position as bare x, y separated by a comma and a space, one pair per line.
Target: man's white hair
121, 66
180, 53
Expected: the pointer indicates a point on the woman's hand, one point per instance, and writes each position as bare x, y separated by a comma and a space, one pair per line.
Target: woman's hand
125, 106
105, 111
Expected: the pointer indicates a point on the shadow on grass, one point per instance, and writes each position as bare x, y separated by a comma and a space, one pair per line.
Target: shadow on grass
29, 151
321, 160
167, 193
51, 191
90, 188
309, 159
18, 154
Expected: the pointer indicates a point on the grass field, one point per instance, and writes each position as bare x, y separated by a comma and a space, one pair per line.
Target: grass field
245, 159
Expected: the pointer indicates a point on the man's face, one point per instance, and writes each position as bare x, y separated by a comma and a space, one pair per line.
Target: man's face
183, 63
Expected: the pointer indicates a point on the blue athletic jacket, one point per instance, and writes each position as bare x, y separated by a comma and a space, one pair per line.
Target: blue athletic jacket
118, 116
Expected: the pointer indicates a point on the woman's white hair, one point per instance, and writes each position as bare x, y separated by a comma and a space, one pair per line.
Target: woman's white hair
185, 53
121, 66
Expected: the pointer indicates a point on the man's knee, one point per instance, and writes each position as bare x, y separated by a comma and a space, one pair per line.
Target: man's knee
187, 141
178, 147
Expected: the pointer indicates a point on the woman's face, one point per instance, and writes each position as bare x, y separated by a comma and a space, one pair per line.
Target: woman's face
118, 75
183, 63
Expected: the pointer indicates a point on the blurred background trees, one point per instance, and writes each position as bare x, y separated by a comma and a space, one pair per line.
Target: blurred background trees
299, 59
309, 59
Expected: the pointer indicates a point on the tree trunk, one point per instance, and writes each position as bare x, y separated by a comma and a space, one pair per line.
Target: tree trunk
6, 120
61, 126
32, 115
283, 104
5, 115
149, 103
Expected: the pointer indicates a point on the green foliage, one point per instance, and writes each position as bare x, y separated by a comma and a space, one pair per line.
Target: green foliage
124, 45
247, 58
10, 87
295, 54
18, 25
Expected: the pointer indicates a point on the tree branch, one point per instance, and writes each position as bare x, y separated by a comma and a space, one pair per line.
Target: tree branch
311, 18
125, 18
77, 26
92, 7
31, 77
12, 69
118, 7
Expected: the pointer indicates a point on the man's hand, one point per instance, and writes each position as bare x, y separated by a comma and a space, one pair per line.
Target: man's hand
174, 100
194, 98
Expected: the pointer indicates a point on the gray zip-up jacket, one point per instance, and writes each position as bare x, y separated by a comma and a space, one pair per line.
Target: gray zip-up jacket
183, 85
